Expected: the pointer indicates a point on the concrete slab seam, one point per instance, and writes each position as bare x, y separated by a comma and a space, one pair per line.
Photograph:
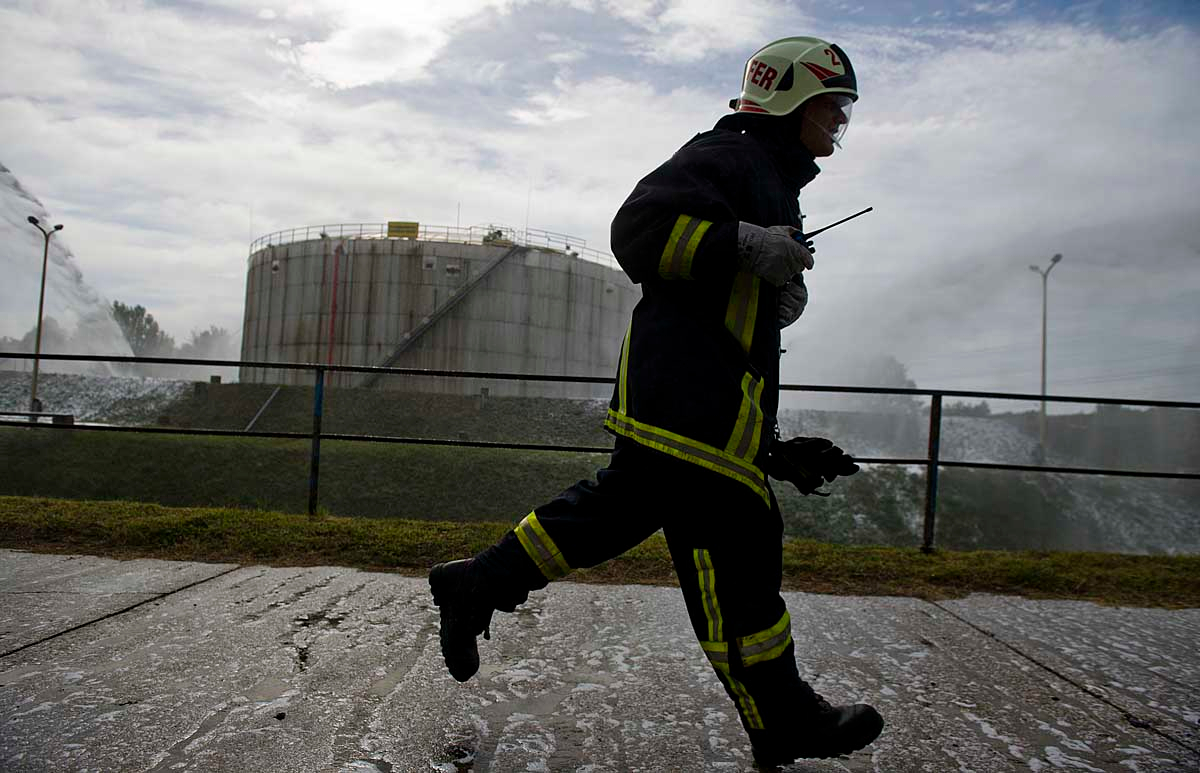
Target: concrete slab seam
1136, 721
1157, 674
121, 611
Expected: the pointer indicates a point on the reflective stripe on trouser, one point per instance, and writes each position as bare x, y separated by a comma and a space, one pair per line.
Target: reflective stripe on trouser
767, 644
718, 655
708, 594
716, 649
757, 668
758, 647
541, 548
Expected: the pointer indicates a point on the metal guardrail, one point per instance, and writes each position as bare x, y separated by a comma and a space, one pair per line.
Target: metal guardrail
477, 234
33, 417
932, 461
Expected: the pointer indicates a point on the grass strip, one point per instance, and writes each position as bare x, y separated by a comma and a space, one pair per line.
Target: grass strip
134, 530
381, 480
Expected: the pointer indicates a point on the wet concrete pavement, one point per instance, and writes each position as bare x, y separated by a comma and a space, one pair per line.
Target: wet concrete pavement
174, 666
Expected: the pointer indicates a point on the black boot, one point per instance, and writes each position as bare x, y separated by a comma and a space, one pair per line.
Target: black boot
830, 731
465, 614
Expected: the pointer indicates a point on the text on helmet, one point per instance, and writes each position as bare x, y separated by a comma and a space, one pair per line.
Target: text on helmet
762, 74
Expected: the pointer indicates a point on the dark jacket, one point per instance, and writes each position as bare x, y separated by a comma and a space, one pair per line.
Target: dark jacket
699, 368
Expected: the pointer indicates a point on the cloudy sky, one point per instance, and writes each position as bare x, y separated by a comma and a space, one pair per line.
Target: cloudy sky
988, 137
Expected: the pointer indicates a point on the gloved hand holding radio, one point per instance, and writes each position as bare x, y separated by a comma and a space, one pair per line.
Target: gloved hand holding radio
772, 253
808, 463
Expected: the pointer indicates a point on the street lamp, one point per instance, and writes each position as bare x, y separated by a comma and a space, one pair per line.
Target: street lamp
37, 349
1044, 274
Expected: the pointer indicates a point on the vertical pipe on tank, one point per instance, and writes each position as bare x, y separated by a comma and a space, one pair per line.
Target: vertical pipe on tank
270, 312
281, 353
337, 255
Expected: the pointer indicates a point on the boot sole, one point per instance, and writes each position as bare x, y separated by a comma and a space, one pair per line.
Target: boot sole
867, 733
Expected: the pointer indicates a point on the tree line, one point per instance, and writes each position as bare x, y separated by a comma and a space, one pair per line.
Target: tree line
140, 330
147, 339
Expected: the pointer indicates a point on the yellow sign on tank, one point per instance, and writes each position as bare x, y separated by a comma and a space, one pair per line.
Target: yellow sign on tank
402, 229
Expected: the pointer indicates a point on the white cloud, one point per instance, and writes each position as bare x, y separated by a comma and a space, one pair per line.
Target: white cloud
565, 57
382, 41
995, 9
683, 31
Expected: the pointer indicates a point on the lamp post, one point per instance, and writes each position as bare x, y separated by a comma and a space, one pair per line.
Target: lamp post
1042, 424
37, 347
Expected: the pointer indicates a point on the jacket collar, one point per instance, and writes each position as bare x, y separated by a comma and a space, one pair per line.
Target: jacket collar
780, 138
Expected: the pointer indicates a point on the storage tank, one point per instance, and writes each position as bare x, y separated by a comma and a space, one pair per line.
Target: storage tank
479, 299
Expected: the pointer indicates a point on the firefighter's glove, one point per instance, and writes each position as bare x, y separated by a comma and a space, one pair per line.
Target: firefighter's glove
793, 297
808, 463
772, 253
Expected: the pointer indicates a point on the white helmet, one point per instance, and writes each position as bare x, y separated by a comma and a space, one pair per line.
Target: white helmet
784, 74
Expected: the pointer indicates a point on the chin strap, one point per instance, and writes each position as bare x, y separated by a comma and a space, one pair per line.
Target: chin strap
832, 138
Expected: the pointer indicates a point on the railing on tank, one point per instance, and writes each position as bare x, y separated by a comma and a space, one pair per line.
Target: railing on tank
476, 234
932, 461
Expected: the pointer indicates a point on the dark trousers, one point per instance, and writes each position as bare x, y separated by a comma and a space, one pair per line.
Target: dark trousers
726, 545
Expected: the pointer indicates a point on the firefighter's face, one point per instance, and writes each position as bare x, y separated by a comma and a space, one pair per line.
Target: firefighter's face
823, 120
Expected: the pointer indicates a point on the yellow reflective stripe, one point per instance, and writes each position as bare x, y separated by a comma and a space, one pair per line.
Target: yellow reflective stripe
709, 457
708, 594
689, 252
623, 386
755, 431
768, 644
717, 653
676, 260
640, 430
668, 255
746, 704
743, 442
743, 308
541, 548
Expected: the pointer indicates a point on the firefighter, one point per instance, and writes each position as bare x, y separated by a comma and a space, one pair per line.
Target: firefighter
710, 236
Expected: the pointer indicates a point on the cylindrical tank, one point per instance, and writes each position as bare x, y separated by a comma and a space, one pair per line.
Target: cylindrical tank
492, 305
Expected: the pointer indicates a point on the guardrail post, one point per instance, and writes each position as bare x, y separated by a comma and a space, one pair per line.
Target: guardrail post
931, 472
318, 400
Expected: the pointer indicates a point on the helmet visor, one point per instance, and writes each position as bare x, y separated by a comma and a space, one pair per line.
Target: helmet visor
841, 115
831, 114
